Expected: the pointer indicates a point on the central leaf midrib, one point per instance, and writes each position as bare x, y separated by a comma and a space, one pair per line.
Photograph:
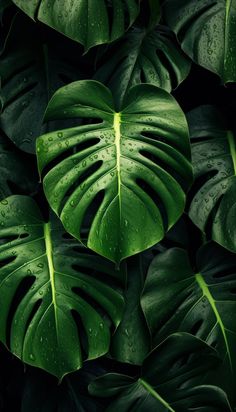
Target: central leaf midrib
116, 126
48, 244
152, 391
232, 148
206, 292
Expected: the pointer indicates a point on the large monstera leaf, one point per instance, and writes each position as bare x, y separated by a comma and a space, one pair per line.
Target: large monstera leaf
20, 178
134, 163
143, 57
33, 66
47, 284
202, 300
170, 379
213, 203
207, 32
88, 22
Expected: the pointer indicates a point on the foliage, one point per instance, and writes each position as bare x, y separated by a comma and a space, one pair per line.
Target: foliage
117, 205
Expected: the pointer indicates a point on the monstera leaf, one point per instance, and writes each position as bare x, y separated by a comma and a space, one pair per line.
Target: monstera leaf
202, 300
169, 381
206, 30
131, 167
32, 68
20, 179
131, 341
213, 202
87, 22
143, 57
57, 299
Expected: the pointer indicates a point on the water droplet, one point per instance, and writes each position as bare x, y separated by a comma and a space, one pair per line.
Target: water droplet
60, 134
32, 357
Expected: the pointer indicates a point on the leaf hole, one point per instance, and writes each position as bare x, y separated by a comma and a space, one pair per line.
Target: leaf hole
196, 327
22, 289
91, 213
94, 304
7, 239
81, 333
164, 165
155, 198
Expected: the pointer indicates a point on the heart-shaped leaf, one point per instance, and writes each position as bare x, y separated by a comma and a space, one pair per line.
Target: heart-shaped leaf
143, 57
199, 300
32, 67
132, 167
85, 21
169, 381
213, 200
57, 299
206, 30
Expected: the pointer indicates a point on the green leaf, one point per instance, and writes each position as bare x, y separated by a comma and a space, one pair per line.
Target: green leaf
131, 341
47, 284
169, 381
199, 300
143, 57
87, 22
213, 201
17, 174
131, 166
206, 30
32, 68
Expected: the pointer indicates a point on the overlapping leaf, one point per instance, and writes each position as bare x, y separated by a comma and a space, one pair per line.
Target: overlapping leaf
169, 381
207, 32
135, 164
32, 67
57, 300
131, 341
87, 22
17, 174
213, 202
201, 300
143, 57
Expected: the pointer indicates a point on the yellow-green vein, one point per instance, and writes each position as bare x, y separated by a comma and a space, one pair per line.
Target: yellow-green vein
206, 292
155, 394
48, 244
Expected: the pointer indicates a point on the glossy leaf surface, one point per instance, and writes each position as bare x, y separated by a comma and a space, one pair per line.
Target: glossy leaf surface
131, 341
207, 32
88, 22
213, 203
33, 66
143, 57
135, 163
47, 284
201, 300
169, 381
